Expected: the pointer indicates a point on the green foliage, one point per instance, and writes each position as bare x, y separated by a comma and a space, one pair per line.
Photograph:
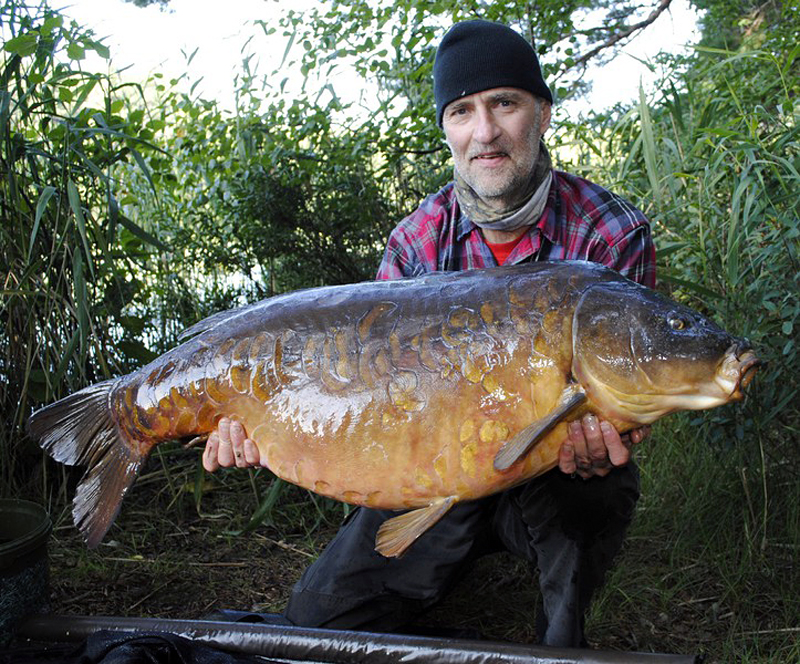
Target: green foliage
709, 565
146, 3
734, 24
305, 201
71, 259
394, 41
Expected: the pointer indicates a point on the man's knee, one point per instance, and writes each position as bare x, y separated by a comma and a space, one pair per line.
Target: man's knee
352, 586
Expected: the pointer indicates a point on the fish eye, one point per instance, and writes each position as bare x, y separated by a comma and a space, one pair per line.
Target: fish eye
677, 323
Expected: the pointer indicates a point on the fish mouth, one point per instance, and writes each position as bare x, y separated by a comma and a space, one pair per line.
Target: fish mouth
737, 370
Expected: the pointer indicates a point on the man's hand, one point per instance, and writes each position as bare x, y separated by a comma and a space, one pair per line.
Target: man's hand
594, 447
229, 446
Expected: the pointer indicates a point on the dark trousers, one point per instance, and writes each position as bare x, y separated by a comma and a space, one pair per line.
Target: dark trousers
569, 528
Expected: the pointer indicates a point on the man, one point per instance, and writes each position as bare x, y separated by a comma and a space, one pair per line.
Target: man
506, 205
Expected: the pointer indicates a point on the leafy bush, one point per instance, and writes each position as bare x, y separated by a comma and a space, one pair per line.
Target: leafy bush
71, 260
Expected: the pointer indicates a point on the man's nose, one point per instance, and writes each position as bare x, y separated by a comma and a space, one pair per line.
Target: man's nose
487, 128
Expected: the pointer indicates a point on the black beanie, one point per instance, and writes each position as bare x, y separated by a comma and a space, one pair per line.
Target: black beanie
479, 55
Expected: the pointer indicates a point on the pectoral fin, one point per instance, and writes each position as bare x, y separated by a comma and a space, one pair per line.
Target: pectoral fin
400, 532
522, 443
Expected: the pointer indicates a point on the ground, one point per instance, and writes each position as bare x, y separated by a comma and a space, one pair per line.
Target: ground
176, 551
165, 558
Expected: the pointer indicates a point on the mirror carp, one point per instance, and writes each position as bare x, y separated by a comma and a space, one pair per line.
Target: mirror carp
411, 394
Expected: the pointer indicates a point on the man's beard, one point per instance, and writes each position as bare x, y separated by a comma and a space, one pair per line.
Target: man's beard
504, 190
523, 210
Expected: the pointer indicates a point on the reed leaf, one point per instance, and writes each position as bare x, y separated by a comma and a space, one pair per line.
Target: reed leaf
649, 147
41, 205
264, 512
75, 204
139, 232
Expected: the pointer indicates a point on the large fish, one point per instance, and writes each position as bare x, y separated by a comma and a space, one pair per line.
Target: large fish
416, 393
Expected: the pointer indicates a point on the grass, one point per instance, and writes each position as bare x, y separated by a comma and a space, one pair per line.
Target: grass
710, 558
696, 575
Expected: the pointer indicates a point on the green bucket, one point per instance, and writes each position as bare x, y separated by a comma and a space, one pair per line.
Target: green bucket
24, 530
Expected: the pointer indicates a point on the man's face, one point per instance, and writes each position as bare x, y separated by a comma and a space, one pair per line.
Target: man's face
494, 138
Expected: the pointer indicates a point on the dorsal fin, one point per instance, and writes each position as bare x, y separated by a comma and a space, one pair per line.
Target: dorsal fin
212, 321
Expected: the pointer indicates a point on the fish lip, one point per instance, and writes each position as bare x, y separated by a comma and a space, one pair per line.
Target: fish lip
747, 370
736, 370
744, 363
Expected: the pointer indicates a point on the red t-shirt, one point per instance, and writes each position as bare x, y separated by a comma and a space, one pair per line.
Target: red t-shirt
502, 250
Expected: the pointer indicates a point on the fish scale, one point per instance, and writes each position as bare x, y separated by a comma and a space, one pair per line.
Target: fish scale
413, 394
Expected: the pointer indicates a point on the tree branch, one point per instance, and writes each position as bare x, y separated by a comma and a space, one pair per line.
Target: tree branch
627, 32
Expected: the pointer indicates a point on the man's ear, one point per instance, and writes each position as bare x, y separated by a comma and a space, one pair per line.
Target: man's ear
544, 124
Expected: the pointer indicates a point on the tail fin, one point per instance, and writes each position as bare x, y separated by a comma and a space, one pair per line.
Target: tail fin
80, 430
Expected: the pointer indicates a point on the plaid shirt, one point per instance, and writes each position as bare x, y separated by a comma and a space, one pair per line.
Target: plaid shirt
580, 221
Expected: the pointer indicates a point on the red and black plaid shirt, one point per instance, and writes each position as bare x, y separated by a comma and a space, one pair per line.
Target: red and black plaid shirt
581, 221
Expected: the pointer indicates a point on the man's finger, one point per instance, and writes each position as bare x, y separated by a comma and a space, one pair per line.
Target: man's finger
638, 435
237, 434
210, 453
578, 440
237, 437
225, 456
595, 441
582, 457
566, 458
618, 453
251, 453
